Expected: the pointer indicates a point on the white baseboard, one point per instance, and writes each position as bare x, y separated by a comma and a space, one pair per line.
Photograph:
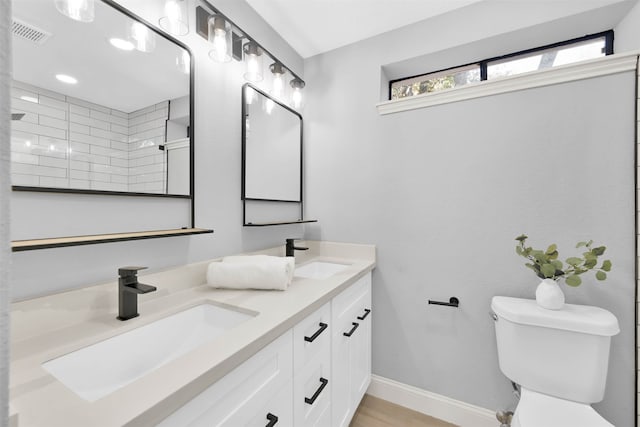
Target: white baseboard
453, 411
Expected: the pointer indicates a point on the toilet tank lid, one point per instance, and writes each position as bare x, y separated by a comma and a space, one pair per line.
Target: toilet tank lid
572, 317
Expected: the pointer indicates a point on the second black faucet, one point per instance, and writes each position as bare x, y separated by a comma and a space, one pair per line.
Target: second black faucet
291, 248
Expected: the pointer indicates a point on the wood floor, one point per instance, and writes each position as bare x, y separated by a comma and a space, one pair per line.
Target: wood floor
375, 412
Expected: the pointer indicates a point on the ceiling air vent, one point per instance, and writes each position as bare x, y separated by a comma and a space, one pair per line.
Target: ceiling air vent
28, 32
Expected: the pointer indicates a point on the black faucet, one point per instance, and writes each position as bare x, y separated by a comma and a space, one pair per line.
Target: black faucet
291, 248
128, 290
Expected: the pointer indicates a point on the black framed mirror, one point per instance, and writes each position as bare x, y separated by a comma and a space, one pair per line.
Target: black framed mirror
272, 160
101, 107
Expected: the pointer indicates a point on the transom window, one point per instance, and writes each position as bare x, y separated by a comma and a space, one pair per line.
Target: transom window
567, 52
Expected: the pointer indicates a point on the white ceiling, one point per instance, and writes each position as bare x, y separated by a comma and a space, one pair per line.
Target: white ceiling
312, 27
316, 26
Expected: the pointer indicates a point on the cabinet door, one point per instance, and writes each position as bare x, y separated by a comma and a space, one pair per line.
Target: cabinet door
361, 350
242, 396
351, 350
278, 412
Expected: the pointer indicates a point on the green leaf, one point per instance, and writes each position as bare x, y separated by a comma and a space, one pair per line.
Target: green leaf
573, 280
581, 244
574, 261
519, 250
557, 264
521, 238
551, 249
601, 275
606, 265
599, 250
548, 270
590, 263
539, 256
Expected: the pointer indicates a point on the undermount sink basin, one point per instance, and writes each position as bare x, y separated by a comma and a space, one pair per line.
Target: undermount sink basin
99, 369
319, 270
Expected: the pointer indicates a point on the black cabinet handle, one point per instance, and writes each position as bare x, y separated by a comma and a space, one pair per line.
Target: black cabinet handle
323, 384
323, 326
355, 326
273, 420
366, 313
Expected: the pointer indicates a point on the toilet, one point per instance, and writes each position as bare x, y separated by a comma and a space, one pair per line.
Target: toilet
558, 357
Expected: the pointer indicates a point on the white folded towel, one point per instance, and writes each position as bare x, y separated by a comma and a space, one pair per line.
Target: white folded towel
251, 272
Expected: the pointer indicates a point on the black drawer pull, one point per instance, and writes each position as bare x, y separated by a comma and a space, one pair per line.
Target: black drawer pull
323, 326
355, 326
323, 384
366, 313
273, 420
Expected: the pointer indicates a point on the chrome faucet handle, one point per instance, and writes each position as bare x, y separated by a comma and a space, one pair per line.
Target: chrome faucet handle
129, 271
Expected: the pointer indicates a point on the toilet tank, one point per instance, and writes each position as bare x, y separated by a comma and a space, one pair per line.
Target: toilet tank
562, 353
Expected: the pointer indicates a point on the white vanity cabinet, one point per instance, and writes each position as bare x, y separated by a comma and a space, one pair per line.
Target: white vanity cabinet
314, 375
351, 350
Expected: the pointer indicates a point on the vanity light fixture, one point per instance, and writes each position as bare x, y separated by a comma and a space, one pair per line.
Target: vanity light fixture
296, 97
277, 85
220, 36
64, 78
78, 10
231, 42
143, 38
121, 44
253, 58
176, 17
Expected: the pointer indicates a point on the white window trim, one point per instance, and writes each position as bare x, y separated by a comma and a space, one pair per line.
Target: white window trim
611, 64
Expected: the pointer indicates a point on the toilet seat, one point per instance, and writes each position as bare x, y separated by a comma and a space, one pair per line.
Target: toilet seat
539, 410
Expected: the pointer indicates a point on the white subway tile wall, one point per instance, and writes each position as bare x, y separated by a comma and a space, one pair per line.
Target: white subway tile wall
70, 143
638, 242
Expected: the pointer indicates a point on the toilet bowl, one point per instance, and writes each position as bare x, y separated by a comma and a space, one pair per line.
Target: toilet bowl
559, 358
540, 410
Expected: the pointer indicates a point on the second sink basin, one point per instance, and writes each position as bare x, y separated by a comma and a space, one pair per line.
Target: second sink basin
319, 270
99, 369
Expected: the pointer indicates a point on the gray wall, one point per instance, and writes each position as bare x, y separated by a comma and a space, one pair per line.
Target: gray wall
217, 169
443, 192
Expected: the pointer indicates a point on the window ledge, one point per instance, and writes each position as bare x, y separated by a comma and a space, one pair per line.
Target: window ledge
611, 64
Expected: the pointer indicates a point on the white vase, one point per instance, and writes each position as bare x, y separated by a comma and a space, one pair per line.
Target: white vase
549, 295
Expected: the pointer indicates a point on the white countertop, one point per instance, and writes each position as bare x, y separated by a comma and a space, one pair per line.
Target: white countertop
48, 327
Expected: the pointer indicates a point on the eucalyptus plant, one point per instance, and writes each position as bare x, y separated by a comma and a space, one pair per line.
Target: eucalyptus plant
546, 265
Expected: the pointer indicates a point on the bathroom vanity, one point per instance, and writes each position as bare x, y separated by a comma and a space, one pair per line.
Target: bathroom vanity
298, 357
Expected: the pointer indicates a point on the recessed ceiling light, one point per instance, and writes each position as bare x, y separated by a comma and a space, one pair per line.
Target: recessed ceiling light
121, 44
66, 79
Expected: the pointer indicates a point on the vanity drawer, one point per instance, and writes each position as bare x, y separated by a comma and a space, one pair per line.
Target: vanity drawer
312, 392
242, 396
312, 336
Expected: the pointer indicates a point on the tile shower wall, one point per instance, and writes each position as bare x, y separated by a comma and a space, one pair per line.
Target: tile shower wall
69, 143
